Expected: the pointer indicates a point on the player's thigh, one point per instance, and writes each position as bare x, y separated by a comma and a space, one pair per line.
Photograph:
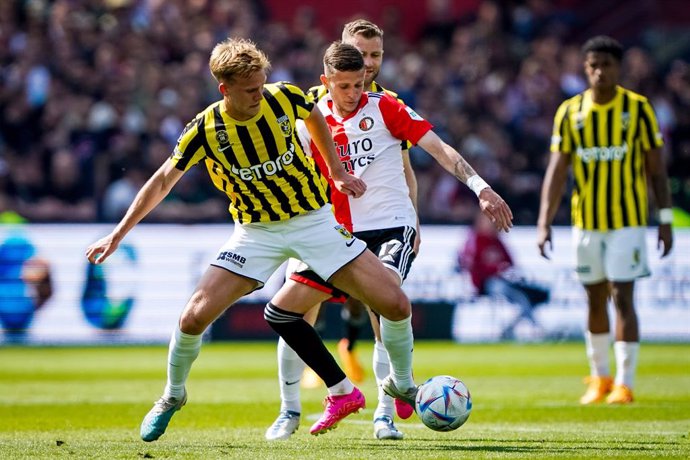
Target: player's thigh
322, 243
589, 255
298, 297
217, 289
626, 254
366, 279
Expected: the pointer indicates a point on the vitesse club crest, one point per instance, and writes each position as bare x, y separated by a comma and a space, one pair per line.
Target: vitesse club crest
343, 231
222, 137
625, 120
285, 126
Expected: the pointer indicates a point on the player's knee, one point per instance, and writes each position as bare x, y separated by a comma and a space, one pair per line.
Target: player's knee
192, 319
396, 307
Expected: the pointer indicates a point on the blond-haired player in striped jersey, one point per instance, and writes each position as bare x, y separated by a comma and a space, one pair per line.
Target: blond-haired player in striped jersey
610, 138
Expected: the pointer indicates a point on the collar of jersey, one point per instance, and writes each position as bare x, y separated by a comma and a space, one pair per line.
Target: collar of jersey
362, 102
228, 119
609, 103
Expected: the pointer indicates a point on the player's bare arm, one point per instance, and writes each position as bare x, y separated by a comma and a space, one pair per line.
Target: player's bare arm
490, 202
150, 195
551, 192
321, 135
658, 180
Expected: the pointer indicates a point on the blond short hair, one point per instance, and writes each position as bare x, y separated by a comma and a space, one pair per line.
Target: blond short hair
237, 57
366, 29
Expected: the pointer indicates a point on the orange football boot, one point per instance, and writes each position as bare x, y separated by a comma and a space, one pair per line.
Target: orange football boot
598, 388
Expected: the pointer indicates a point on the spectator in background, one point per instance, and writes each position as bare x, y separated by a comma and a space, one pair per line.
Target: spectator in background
78, 74
611, 138
493, 273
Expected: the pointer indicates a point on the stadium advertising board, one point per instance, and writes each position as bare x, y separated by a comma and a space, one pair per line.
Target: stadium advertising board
136, 296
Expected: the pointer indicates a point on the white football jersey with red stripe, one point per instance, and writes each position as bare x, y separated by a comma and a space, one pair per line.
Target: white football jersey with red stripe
368, 143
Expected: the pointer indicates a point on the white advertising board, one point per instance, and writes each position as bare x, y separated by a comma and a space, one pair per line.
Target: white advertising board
143, 288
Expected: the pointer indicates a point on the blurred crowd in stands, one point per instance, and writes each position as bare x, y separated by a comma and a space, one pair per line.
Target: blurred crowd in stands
93, 94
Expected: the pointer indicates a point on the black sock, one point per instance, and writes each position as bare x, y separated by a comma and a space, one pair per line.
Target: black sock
305, 341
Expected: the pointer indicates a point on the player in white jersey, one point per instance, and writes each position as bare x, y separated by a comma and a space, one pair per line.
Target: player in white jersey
367, 129
367, 37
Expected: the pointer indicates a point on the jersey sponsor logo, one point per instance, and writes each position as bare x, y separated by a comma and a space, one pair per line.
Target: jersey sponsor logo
413, 114
233, 258
353, 163
610, 153
356, 147
285, 126
366, 123
267, 168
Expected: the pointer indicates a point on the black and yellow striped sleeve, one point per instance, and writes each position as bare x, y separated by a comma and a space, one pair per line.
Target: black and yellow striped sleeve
192, 145
650, 135
561, 136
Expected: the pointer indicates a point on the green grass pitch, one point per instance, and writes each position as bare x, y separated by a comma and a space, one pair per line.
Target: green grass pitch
88, 402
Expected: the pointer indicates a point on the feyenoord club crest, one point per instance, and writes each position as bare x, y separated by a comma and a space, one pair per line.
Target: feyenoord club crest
366, 123
285, 126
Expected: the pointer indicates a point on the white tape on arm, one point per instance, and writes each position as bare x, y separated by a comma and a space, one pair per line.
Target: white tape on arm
476, 184
666, 216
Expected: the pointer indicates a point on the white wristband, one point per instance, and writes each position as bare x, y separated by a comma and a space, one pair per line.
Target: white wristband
666, 216
476, 184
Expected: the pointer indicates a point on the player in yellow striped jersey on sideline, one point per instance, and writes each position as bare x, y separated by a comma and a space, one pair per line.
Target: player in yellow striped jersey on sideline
610, 137
249, 145
367, 37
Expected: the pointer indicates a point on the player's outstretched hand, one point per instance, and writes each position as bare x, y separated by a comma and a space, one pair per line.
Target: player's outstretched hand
496, 209
350, 185
544, 239
101, 249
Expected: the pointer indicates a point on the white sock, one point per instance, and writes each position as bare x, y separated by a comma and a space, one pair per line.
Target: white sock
344, 387
626, 362
597, 346
398, 340
183, 350
382, 368
290, 369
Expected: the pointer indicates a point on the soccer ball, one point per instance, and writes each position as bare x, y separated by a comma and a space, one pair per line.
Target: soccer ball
443, 403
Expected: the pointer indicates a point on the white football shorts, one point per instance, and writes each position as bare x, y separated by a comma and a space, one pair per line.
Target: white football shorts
256, 250
615, 255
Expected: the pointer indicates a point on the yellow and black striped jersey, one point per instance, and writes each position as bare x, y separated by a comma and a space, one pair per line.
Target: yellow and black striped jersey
317, 92
607, 144
259, 163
